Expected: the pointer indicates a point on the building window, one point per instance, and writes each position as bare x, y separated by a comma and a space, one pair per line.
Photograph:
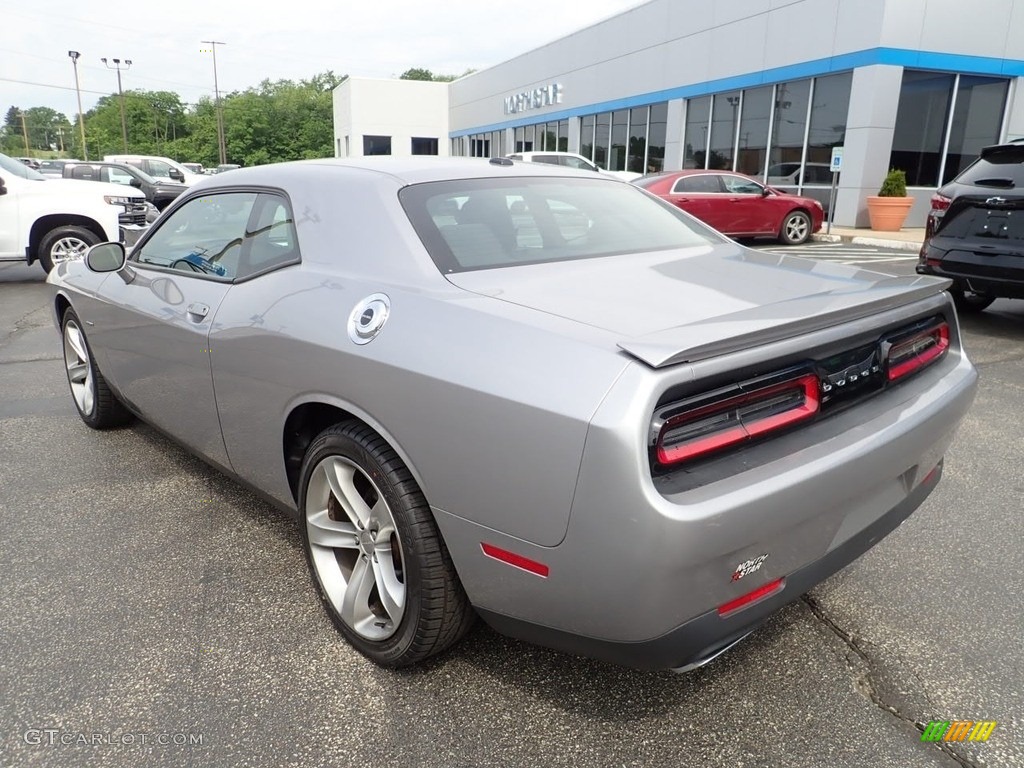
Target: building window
920, 125
376, 145
656, 130
828, 123
698, 113
977, 118
789, 124
620, 124
602, 133
753, 140
563, 135
637, 140
587, 136
723, 130
422, 146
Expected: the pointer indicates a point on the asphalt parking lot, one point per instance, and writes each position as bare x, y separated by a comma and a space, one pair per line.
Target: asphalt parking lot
152, 612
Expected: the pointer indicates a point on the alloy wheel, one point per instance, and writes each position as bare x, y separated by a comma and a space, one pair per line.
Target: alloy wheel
355, 548
79, 368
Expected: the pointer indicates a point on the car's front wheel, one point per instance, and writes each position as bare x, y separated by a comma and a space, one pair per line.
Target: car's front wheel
377, 558
96, 403
967, 302
796, 228
65, 243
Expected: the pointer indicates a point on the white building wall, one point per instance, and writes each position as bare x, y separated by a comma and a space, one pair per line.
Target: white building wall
401, 109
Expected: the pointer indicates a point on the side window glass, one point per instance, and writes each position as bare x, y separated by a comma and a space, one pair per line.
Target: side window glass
736, 185
577, 163
270, 237
159, 169
704, 183
203, 237
117, 176
546, 159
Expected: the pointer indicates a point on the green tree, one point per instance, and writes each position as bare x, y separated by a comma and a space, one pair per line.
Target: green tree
416, 74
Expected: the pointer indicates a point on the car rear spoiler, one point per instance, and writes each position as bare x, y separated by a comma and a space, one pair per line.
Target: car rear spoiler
775, 322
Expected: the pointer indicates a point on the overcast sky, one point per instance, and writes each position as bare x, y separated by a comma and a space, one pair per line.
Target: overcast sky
283, 39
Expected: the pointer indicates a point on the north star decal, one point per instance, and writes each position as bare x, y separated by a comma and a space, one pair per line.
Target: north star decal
748, 567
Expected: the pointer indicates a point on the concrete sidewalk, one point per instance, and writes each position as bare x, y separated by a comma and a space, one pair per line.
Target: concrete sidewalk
907, 239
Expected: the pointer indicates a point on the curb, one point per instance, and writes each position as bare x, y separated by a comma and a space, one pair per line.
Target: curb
877, 242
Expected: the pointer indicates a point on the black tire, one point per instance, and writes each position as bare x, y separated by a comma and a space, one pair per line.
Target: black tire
968, 303
101, 409
795, 229
64, 242
436, 612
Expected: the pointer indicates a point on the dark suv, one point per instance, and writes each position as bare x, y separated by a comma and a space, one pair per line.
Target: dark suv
157, 191
975, 230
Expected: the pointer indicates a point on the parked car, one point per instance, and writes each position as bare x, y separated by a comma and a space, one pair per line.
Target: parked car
158, 167
196, 168
50, 220
974, 230
605, 428
31, 162
159, 192
570, 160
788, 174
738, 205
224, 167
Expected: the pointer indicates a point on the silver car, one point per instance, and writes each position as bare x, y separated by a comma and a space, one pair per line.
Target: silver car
525, 393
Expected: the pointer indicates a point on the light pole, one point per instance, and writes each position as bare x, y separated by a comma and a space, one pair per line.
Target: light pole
81, 115
216, 92
24, 132
120, 93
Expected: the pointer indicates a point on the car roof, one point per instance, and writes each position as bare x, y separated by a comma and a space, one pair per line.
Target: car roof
404, 170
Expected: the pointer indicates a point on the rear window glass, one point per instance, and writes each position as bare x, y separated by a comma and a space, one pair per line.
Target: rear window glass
486, 223
1003, 169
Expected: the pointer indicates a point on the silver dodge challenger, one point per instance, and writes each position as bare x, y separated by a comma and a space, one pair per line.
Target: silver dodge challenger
523, 393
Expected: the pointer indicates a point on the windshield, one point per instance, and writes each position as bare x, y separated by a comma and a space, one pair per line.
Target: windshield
18, 168
486, 223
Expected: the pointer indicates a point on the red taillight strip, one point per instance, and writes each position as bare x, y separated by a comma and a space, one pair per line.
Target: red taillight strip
511, 558
771, 588
807, 408
939, 333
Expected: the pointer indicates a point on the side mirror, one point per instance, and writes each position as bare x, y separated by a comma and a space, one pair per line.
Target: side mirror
105, 257
137, 183
3, 187
177, 175
766, 191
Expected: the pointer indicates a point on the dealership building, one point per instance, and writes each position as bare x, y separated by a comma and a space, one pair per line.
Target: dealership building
765, 87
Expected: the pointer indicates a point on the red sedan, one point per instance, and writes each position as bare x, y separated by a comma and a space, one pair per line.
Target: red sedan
737, 205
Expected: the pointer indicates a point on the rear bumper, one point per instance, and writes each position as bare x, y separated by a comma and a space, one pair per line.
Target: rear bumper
993, 274
703, 638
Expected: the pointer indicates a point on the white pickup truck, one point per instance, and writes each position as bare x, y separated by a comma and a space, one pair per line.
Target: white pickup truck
51, 220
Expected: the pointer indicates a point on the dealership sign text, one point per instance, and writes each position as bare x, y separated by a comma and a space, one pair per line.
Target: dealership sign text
544, 96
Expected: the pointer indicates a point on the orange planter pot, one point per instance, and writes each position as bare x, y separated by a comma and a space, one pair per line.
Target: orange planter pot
887, 214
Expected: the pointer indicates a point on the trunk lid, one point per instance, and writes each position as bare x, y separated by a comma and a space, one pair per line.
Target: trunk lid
686, 305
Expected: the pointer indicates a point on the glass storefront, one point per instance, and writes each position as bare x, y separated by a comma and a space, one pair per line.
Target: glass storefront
627, 139
942, 123
782, 134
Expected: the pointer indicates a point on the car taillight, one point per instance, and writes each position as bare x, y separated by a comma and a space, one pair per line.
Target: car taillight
714, 425
940, 202
910, 354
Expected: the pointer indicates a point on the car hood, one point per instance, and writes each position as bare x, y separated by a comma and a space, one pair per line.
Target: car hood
687, 305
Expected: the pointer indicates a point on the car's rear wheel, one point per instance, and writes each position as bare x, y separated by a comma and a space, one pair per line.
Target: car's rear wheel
65, 243
377, 558
96, 403
968, 302
796, 228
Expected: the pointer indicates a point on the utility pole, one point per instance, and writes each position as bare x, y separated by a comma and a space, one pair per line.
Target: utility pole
120, 93
24, 132
81, 115
216, 92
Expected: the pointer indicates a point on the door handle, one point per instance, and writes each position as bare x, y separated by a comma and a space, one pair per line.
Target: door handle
734, 200
198, 310
682, 200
